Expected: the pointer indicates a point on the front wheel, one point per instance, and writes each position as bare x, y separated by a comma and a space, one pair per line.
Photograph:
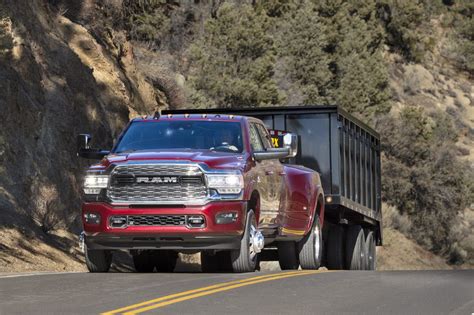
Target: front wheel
311, 247
98, 260
246, 259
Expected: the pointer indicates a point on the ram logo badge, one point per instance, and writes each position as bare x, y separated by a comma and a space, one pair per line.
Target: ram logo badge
158, 180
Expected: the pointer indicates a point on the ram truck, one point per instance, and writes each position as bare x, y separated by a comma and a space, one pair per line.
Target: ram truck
213, 184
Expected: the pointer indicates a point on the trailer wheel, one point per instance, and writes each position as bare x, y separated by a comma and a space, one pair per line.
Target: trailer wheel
288, 256
335, 248
370, 248
143, 261
355, 248
98, 260
311, 247
245, 259
165, 260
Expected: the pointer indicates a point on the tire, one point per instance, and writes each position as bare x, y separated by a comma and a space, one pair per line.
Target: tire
288, 256
355, 248
165, 260
217, 262
371, 257
335, 248
143, 261
98, 260
311, 247
246, 259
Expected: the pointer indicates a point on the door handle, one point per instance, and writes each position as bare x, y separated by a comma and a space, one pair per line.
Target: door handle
269, 172
282, 173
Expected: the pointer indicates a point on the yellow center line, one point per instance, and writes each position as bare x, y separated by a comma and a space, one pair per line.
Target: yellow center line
167, 297
225, 287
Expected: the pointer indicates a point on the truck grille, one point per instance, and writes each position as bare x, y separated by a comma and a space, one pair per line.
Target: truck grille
157, 183
156, 220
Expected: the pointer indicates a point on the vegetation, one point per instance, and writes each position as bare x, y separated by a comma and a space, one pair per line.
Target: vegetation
423, 177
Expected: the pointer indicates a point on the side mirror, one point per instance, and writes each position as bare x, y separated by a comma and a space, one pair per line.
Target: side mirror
85, 151
270, 154
290, 142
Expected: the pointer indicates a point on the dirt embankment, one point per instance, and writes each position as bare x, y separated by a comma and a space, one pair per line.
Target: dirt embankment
56, 81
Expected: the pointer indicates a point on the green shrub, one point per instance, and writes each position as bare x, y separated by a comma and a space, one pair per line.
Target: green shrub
423, 177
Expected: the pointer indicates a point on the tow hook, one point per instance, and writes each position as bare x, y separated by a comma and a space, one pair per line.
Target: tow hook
82, 242
258, 241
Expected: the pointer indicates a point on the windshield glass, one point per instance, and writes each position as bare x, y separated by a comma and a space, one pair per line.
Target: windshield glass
204, 135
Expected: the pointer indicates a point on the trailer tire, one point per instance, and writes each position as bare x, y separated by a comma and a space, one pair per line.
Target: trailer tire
98, 260
371, 253
335, 248
143, 261
245, 259
355, 248
165, 260
288, 256
311, 247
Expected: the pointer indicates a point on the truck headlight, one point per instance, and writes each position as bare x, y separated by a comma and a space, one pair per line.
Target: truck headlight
226, 183
94, 183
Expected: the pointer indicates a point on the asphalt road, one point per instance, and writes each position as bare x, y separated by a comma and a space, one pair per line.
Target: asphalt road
322, 292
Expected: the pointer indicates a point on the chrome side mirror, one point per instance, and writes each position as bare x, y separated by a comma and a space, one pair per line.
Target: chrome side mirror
290, 141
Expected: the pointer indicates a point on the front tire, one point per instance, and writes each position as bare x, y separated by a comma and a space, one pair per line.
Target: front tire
98, 260
311, 247
246, 259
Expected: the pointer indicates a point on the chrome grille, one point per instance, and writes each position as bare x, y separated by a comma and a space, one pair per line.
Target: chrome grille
156, 220
125, 189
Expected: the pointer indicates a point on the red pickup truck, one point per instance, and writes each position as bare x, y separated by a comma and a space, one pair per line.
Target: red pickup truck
200, 183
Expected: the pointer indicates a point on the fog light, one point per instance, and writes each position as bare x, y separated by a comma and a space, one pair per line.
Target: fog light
226, 217
118, 222
195, 221
92, 218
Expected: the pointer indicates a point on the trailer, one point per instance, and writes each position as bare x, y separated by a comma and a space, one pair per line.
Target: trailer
346, 153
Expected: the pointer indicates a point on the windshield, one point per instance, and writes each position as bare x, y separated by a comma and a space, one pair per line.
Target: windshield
204, 135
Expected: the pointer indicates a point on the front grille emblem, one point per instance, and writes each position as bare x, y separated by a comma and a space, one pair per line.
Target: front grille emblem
157, 180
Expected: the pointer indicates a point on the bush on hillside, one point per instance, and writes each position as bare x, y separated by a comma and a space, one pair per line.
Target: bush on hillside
423, 177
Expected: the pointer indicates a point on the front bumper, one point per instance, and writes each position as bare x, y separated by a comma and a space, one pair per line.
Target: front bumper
211, 236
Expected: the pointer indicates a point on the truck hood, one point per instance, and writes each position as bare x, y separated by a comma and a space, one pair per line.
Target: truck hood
219, 160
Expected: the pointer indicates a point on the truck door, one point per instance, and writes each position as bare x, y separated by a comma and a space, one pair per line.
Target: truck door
275, 173
260, 169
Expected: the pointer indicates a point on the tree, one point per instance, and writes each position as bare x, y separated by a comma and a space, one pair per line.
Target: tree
233, 62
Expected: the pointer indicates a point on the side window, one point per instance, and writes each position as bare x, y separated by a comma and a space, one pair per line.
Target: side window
265, 136
255, 141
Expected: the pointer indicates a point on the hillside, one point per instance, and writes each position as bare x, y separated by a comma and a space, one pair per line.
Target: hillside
405, 67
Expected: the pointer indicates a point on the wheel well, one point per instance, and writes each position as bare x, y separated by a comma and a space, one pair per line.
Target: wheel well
320, 209
254, 204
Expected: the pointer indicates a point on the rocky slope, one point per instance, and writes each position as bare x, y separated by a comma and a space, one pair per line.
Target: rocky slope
56, 81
